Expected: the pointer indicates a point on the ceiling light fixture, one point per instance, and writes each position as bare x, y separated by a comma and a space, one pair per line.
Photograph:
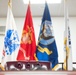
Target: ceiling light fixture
42, 1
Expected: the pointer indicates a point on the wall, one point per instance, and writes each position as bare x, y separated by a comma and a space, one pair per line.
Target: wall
58, 27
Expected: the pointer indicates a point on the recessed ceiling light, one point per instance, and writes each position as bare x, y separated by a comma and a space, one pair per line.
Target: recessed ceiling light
41, 1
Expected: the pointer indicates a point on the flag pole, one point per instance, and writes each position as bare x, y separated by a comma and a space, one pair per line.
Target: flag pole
29, 2
45, 1
66, 26
10, 2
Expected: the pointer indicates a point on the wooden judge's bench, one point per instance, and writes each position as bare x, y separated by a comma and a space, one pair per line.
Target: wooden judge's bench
32, 68
38, 73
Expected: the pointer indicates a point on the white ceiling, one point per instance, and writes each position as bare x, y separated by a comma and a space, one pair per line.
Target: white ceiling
19, 8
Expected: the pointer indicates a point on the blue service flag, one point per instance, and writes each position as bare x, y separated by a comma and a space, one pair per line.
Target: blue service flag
46, 48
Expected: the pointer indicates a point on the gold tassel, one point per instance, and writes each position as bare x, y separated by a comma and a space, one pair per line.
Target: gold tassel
2, 68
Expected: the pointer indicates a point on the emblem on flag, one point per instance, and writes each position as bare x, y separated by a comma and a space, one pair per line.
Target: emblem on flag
46, 37
11, 41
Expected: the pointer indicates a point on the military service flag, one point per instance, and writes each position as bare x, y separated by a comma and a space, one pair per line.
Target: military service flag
67, 40
47, 49
11, 39
28, 43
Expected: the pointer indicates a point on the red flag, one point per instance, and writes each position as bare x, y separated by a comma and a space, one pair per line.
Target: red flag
28, 43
